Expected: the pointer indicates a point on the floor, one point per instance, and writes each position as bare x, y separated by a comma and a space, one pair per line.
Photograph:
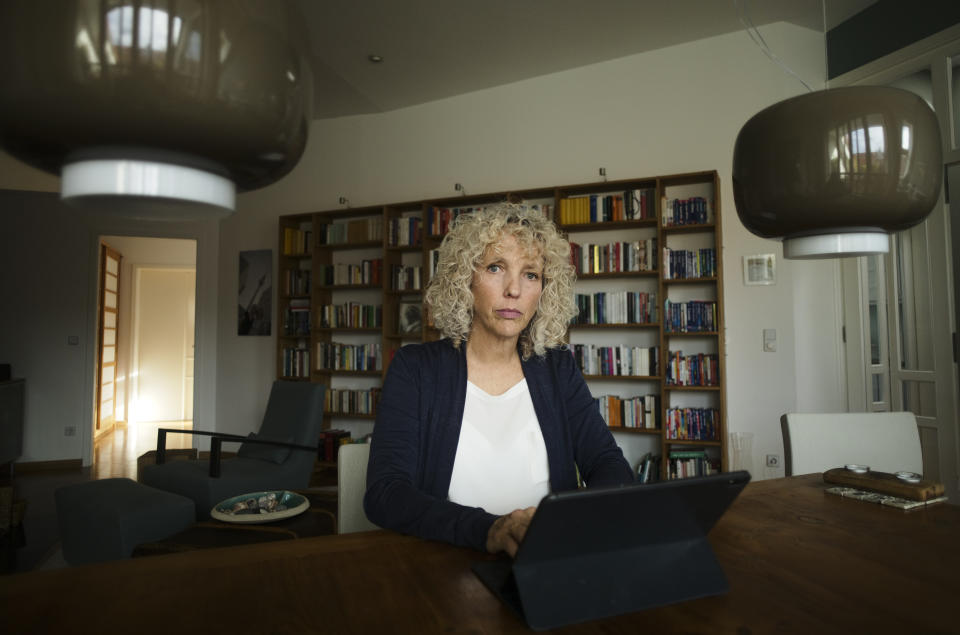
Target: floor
114, 456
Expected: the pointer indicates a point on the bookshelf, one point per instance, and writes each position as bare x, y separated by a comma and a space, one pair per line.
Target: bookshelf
649, 337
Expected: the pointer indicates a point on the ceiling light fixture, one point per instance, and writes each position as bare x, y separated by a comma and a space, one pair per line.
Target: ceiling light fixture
833, 172
153, 109
376, 59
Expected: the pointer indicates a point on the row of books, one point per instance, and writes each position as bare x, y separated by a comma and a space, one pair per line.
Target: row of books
690, 317
632, 412
403, 232
330, 442
296, 318
403, 278
616, 361
347, 402
616, 257
295, 362
622, 307
440, 219
297, 242
337, 356
602, 208
351, 231
296, 282
350, 315
701, 369
685, 211
648, 469
367, 272
695, 424
687, 463
685, 263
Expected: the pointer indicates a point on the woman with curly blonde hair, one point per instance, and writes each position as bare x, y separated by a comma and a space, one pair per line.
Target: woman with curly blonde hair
475, 429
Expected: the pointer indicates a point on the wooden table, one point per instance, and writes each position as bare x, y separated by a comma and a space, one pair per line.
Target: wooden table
798, 560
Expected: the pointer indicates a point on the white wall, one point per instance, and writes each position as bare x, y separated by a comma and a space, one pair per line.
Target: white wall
668, 111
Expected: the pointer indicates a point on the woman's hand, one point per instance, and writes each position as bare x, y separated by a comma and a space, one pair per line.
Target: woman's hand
507, 531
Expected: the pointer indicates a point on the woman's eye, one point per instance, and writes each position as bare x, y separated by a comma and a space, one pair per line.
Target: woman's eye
533, 276
494, 268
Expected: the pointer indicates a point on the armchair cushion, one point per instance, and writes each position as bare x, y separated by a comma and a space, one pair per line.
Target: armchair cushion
265, 452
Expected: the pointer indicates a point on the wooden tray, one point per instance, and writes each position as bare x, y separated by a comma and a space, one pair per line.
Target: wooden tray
884, 483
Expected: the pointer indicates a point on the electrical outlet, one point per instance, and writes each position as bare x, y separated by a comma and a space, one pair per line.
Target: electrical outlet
70, 431
773, 460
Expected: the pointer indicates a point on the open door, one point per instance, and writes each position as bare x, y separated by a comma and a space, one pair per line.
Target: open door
107, 353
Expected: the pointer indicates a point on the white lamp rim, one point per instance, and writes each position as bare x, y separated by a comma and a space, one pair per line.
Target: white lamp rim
836, 245
146, 179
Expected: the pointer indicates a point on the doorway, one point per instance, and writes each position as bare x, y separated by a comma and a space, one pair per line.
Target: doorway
155, 336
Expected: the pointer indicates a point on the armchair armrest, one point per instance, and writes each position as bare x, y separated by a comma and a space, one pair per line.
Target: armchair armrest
217, 438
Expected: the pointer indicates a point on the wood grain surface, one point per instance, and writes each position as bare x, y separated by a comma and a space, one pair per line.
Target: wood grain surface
798, 561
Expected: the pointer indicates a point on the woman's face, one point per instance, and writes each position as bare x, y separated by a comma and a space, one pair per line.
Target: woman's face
506, 290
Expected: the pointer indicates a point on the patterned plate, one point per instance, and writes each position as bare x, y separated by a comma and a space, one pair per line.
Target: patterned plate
252, 508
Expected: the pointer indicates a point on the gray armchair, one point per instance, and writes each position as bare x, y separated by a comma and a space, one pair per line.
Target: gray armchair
280, 456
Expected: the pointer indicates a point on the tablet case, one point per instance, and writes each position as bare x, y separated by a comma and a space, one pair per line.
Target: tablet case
601, 552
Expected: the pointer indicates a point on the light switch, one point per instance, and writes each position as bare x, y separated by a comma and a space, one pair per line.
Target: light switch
769, 340
73, 340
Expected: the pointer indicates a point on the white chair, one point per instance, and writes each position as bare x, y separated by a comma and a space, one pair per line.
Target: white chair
351, 485
886, 441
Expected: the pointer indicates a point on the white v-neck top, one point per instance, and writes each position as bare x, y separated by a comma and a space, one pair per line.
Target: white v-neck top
501, 462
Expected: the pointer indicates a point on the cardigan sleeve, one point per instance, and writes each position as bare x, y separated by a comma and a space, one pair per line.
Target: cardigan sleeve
597, 455
395, 497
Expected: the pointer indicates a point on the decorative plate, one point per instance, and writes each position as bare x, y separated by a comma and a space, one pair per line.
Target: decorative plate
260, 507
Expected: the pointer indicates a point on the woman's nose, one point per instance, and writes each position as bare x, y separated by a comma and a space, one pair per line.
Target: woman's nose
512, 287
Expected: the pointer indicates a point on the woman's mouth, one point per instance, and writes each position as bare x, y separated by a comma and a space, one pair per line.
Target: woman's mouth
509, 314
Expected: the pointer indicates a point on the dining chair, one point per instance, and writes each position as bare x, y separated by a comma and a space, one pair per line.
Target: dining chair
281, 455
885, 441
351, 486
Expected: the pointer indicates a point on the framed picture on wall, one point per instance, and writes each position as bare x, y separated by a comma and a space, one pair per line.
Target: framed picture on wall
255, 292
409, 317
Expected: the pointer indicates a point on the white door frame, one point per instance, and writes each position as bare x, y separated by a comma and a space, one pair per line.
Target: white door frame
207, 236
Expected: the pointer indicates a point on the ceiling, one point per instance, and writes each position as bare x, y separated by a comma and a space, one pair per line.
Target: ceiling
434, 49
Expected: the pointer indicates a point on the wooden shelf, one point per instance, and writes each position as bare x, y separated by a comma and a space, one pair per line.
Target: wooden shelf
690, 333
612, 275
689, 229
306, 229
689, 280
638, 325
596, 227
343, 287
367, 244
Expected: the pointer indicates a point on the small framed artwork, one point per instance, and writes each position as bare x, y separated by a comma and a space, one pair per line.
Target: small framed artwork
255, 292
409, 317
760, 269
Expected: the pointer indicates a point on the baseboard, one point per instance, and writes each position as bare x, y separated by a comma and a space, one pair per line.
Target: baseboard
31, 467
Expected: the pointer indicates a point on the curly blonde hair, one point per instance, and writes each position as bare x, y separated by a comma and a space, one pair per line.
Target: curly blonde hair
449, 296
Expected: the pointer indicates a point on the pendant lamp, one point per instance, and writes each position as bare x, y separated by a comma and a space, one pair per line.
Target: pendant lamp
834, 172
153, 108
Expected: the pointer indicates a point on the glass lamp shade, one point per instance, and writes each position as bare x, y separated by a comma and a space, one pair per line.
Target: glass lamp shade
186, 101
832, 173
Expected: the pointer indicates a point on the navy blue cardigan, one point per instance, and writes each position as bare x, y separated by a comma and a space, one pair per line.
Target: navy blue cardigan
418, 428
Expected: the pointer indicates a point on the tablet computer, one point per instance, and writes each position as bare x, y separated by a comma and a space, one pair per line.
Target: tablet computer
600, 552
